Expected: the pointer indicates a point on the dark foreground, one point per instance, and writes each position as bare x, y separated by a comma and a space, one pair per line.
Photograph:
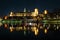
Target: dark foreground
51, 35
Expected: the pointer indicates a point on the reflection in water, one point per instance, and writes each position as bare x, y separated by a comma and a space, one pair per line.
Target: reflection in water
31, 25
33, 29
45, 31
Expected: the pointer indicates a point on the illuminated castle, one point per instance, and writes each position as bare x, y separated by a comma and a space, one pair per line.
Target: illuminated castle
35, 13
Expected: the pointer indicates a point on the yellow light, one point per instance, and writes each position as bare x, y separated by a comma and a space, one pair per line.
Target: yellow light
36, 32
24, 28
45, 31
45, 11
36, 10
41, 27
1, 24
11, 29
33, 28
24, 14
5, 25
35, 13
5, 17
11, 13
19, 28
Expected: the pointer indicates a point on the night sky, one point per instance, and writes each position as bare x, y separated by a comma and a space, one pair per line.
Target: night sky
18, 5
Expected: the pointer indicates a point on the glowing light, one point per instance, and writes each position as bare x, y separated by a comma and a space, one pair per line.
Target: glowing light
11, 13
33, 28
35, 13
30, 23
36, 32
36, 10
57, 27
24, 14
45, 31
45, 11
5, 17
11, 29
5, 25
24, 9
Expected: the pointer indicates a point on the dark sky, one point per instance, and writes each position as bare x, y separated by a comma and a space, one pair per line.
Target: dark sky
18, 5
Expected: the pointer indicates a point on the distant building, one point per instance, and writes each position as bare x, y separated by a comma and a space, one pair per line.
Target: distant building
35, 13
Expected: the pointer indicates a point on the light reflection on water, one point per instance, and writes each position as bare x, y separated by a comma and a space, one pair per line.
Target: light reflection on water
28, 34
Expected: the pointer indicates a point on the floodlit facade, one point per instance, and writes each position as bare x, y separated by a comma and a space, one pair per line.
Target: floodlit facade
35, 13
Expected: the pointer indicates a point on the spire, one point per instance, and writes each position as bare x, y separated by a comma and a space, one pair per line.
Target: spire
24, 9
